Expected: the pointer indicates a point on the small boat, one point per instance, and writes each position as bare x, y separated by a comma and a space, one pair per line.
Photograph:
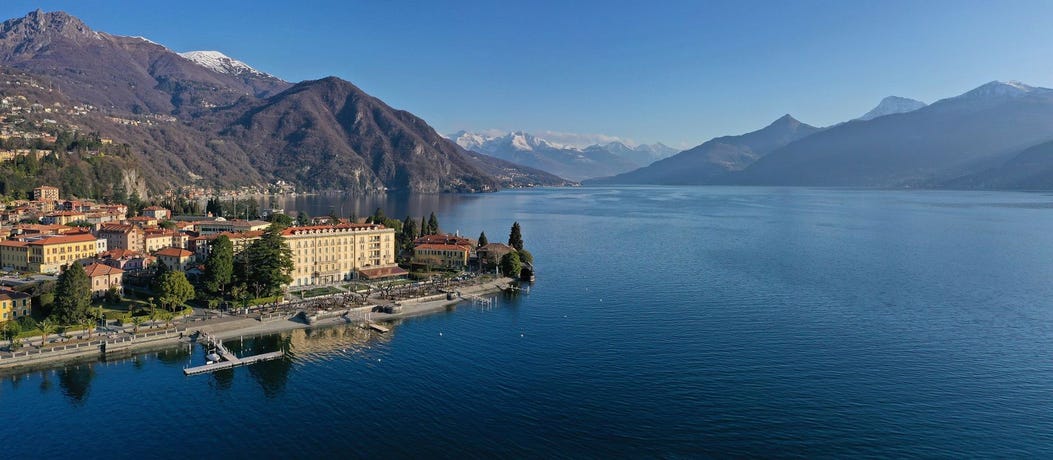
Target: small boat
212, 358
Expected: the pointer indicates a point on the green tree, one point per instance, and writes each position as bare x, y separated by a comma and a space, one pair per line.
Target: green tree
47, 327
482, 239
526, 256
433, 225
160, 270
267, 263
379, 217
511, 265
88, 323
423, 226
72, 295
302, 218
515, 237
175, 290
409, 229
12, 329
219, 268
136, 322
282, 220
214, 207
167, 225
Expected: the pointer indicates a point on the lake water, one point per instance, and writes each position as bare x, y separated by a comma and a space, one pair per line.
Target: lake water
672, 322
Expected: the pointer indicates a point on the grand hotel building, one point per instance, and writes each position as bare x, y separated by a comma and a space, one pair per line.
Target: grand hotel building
326, 254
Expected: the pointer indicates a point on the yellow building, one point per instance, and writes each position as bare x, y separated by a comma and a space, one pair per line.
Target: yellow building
48, 255
453, 256
327, 254
14, 255
14, 305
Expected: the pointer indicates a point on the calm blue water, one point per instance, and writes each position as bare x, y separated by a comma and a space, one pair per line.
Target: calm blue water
672, 322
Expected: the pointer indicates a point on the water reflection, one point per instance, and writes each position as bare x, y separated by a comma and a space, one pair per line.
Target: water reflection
75, 382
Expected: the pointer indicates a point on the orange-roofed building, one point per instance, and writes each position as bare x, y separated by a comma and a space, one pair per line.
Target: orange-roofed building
48, 255
451, 256
175, 258
103, 277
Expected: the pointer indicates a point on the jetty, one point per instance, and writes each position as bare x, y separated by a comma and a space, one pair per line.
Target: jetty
228, 359
378, 328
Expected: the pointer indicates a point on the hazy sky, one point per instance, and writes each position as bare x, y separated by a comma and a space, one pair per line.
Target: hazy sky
669, 71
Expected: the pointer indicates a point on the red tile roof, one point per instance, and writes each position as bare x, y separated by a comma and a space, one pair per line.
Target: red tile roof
77, 238
174, 252
97, 269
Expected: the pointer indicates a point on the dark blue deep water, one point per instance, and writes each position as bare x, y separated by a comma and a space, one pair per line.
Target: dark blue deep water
668, 322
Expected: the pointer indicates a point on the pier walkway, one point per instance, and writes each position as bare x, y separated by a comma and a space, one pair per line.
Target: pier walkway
229, 360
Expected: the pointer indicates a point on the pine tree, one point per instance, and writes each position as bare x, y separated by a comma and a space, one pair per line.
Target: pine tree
72, 295
515, 237
433, 225
268, 263
482, 239
219, 268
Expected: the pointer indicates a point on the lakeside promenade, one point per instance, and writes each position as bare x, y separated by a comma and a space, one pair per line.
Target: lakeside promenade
313, 313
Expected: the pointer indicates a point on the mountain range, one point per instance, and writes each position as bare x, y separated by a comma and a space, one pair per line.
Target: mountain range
995, 136
202, 118
571, 162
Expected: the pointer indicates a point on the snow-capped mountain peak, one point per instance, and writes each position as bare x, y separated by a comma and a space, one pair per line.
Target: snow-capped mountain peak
1001, 89
892, 105
221, 63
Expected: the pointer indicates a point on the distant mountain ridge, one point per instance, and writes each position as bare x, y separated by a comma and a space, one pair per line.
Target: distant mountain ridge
565, 161
718, 157
994, 136
204, 118
892, 105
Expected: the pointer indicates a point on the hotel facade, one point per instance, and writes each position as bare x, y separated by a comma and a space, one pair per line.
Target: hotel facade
327, 254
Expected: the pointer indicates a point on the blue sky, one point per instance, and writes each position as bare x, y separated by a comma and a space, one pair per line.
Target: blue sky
669, 71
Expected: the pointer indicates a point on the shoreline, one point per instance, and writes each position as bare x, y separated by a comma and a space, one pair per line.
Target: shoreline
231, 327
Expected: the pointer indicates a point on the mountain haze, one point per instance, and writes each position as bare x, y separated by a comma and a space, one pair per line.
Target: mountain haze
952, 137
892, 105
564, 161
715, 158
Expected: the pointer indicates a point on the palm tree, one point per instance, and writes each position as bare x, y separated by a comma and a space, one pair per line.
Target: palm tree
89, 324
136, 322
168, 316
46, 328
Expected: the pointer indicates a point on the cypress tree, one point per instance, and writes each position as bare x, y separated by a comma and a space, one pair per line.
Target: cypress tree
482, 239
433, 225
72, 295
515, 237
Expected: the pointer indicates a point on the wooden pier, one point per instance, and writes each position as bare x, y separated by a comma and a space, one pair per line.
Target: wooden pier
379, 328
229, 360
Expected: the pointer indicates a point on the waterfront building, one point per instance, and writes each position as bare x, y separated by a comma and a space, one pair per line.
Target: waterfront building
449, 256
491, 254
14, 305
103, 277
325, 254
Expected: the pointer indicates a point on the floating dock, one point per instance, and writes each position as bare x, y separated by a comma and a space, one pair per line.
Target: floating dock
229, 360
379, 328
